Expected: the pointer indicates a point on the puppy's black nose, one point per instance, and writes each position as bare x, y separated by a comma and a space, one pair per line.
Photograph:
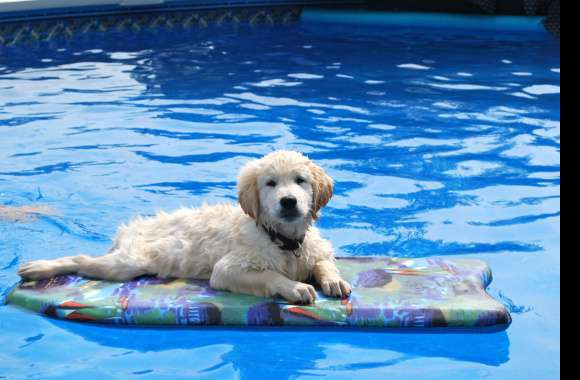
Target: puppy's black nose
288, 203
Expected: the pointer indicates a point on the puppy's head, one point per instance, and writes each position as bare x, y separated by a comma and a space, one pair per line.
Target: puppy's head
284, 188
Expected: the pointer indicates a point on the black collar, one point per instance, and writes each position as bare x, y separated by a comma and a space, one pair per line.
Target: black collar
284, 243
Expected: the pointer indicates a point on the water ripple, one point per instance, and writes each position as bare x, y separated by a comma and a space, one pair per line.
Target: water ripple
512, 306
197, 158
55, 168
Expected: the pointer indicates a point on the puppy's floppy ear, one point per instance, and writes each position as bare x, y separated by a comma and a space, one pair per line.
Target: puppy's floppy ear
248, 194
323, 187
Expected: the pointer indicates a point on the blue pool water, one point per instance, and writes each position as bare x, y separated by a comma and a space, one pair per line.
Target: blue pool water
442, 142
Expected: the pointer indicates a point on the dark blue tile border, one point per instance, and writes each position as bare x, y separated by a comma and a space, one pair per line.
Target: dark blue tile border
60, 29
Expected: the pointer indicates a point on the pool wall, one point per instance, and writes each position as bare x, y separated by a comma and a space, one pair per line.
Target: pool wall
34, 21
37, 21
38, 31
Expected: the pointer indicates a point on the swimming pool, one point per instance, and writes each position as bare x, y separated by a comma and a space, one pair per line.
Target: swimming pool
442, 141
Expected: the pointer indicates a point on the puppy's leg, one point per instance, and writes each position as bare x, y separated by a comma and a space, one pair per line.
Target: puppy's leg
112, 267
327, 275
261, 284
45, 269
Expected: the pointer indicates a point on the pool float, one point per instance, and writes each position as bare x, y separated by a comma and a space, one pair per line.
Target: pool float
388, 293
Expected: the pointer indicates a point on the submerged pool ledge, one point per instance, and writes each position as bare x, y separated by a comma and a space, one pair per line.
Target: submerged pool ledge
428, 20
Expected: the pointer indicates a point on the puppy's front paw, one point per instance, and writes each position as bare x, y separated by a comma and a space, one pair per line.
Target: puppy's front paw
336, 288
299, 293
37, 270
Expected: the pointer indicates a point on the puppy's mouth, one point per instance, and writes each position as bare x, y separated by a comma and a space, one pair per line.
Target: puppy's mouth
290, 216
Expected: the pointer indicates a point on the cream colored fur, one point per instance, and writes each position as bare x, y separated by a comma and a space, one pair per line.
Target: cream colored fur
227, 244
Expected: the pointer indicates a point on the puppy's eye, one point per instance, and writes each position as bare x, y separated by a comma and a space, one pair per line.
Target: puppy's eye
300, 181
272, 184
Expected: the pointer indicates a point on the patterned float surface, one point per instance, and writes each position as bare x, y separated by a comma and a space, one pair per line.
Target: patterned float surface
388, 293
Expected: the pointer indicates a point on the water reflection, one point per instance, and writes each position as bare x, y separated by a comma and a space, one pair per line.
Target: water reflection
253, 352
28, 213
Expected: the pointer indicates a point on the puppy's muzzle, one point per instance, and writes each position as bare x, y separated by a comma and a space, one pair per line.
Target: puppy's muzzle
289, 208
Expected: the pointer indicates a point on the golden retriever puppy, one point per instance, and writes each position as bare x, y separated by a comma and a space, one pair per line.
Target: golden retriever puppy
267, 247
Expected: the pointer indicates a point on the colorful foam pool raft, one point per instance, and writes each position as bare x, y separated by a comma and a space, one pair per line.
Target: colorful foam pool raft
388, 293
